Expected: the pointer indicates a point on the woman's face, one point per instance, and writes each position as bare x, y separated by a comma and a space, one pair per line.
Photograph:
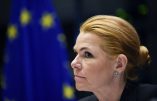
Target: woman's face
92, 67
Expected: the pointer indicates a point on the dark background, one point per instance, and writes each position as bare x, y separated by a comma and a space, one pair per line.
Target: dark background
141, 13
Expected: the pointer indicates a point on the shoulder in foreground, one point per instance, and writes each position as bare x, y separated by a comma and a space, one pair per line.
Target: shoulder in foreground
147, 92
89, 98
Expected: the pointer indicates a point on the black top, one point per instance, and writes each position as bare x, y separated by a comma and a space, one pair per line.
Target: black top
133, 92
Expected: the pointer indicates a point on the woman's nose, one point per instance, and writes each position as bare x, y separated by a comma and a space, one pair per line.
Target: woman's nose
76, 64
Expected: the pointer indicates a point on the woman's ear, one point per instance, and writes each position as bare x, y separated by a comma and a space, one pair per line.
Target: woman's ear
121, 63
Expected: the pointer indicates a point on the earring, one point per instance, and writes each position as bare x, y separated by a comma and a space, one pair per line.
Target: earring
116, 74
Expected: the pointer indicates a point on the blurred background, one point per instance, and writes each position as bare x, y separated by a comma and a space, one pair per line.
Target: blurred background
142, 14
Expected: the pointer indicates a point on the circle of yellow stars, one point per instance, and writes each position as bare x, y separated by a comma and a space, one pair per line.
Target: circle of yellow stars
68, 91
46, 21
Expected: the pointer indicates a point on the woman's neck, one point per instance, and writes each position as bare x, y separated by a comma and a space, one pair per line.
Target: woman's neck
111, 92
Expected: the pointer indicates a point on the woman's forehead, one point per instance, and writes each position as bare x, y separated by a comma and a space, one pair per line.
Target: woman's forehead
87, 40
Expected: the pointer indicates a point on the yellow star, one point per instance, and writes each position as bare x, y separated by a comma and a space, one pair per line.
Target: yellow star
47, 20
12, 32
61, 38
68, 91
3, 83
25, 17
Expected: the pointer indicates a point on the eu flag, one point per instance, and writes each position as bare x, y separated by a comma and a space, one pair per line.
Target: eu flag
36, 63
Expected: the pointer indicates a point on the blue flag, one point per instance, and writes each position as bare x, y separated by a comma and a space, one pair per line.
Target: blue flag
36, 66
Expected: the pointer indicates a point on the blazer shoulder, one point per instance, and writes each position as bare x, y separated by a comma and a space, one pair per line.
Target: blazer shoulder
147, 92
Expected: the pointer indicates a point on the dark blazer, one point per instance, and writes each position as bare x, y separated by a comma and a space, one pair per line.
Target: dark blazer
133, 92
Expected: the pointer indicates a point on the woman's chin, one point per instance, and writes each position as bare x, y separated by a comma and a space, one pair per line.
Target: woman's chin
80, 87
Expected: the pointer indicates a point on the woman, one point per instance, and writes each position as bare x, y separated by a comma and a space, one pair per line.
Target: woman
108, 56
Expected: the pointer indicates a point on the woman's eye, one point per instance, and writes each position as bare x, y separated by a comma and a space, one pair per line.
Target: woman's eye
88, 55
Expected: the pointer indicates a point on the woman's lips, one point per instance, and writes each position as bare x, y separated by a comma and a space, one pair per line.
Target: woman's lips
79, 78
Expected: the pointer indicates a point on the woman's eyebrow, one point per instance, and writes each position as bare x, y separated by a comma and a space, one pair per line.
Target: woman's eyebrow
81, 49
